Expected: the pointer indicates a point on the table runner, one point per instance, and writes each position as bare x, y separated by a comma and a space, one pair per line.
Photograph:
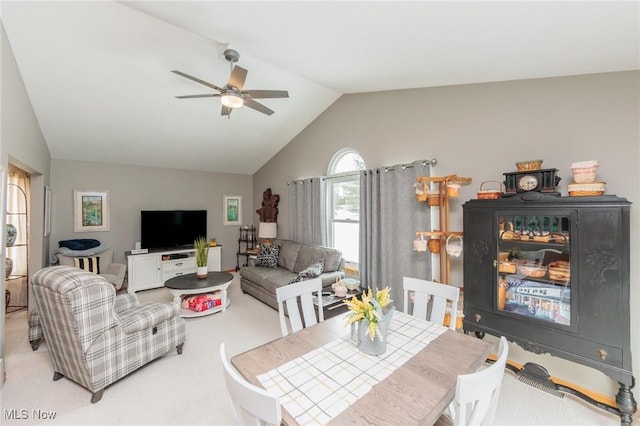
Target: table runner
317, 386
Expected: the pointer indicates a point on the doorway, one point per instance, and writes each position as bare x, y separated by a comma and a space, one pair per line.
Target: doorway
17, 240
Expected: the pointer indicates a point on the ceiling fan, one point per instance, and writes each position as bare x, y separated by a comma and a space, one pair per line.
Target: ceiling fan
231, 95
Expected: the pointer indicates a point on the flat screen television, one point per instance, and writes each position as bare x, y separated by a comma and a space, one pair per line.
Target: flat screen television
166, 229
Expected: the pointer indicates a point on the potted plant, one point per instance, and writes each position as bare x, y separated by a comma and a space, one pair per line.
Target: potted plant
202, 253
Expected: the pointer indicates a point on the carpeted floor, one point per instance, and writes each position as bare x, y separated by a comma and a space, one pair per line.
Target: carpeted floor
187, 389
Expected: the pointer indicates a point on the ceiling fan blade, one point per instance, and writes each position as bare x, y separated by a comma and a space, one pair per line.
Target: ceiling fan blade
225, 110
262, 94
237, 77
258, 106
197, 80
211, 95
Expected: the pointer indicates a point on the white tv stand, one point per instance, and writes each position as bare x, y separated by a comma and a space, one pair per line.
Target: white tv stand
151, 270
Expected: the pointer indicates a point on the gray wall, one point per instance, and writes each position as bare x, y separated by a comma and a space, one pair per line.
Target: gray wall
132, 189
473, 130
22, 144
480, 131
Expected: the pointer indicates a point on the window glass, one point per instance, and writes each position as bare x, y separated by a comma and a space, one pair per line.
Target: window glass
343, 202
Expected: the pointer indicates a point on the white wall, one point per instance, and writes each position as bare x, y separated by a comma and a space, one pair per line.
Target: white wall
480, 131
133, 188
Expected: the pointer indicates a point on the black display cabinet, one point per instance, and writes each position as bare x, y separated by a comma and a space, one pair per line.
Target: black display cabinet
552, 275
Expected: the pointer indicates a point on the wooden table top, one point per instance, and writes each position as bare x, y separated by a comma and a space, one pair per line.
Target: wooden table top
416, 393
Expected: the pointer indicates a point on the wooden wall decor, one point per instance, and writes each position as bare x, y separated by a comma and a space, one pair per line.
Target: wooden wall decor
269, 210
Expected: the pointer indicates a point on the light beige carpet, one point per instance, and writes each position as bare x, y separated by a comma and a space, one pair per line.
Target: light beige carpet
187, 389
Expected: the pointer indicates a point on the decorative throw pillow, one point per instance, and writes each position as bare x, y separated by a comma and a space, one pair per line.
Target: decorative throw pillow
90, 264
311, 271
267, 256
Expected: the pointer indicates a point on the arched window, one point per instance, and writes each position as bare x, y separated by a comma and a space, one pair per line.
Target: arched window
343, 203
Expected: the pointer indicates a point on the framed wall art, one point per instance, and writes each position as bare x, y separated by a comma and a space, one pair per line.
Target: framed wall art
90, 210
232, 213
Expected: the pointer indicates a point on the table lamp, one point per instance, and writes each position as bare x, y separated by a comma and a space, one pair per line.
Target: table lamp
266, 231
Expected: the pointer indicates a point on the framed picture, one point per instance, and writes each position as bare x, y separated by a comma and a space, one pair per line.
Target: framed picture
90, 210
47, 211
232, 210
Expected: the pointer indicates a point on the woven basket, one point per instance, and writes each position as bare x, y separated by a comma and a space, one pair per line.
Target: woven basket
591, 189
586, 175
434, 245
560, 271
433, 199
421, 191
560, 238
540, 238
533, 271
585, 193
584, 171
507, 267
526, 166
490, 194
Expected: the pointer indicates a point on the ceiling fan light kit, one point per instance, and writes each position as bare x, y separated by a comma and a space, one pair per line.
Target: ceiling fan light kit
232, 100
231, 95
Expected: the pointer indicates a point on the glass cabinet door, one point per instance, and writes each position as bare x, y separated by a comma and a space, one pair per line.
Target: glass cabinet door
534, 267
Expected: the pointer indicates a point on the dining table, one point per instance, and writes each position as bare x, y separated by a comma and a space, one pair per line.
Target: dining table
322, 377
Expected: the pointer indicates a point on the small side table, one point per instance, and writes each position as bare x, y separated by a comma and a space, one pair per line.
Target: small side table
333, 305
191, 284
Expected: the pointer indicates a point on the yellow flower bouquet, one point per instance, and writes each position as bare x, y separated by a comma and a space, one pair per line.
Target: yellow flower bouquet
369, 309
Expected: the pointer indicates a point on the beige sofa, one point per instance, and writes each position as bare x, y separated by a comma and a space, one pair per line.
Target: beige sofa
112, 272
261, 282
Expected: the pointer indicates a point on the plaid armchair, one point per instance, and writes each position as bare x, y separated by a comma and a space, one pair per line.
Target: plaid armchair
95, 337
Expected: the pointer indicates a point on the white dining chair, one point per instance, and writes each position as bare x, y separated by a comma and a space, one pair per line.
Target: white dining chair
477, 393
252, 404
440, 293
295, 296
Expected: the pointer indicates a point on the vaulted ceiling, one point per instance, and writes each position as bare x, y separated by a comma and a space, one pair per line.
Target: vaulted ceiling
98, 74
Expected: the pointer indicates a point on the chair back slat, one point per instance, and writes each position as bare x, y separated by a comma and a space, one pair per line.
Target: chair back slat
436, 294
295, 296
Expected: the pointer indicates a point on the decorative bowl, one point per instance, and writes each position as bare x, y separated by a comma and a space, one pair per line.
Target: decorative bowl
351, 284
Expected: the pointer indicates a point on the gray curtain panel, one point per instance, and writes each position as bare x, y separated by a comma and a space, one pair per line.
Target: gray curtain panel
390, 215
307, 211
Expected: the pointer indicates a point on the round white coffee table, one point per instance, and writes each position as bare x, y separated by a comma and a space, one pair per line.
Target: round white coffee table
191, 284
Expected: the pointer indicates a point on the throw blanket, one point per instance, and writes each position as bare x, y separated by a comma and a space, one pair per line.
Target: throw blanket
79, 244
53, 258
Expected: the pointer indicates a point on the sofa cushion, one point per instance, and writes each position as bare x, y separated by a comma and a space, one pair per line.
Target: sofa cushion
267, 256
309, 254
312, 271
89, 264
267, 278
288, 253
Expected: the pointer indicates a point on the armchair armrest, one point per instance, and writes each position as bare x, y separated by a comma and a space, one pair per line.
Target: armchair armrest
147, 315
124, 302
